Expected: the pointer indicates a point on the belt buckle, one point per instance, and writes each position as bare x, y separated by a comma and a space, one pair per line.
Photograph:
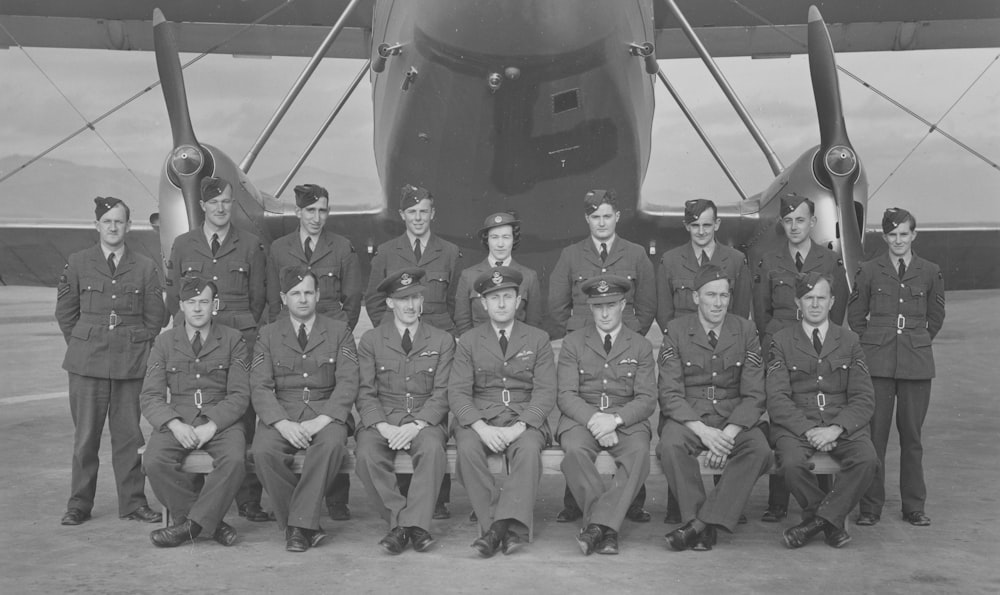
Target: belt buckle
409, 403
710, 393
305, 394
900, 322
197, 398
605, 402
821, 401
112, 320
505, 397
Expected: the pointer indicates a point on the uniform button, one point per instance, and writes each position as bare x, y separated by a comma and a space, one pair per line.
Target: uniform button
902, 285
714, 401
407, 377
197, 359
819, 361
900, 300
819, 378
604, 270
605, 365
215, 260
215, 278
113, 281
407, 394
605, 381
382, 368
114, 297
714, 356
505, 363
899, 331
504, 379
197, 375
304, 357
715, 373
305, 374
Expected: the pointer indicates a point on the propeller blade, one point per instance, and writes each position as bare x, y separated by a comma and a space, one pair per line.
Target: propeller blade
826, 84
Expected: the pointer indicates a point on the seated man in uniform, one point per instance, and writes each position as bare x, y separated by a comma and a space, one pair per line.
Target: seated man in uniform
502, 388
304, 379
711, 391
403, 401
820, 398
607, 391
204, 367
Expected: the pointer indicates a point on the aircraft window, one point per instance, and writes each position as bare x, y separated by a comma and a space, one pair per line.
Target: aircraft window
565, 101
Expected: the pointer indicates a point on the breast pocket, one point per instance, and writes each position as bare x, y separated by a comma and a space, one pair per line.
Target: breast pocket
130, 301
423, 375
92, 295
916, 300
177, 374
192, 267
217, 370
839, 370
239, 277
681, 289
437, 291
387, 372
329, 282
885, 298
326, 364
783, 291
626, 375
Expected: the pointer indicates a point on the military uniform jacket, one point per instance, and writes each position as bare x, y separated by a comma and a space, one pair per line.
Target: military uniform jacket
336, 266
237, 270
581, 261
898, 318
620, 382
482, 377
397, 387
469, 311
288, 382
774, 302
439, 259
109, 321
675, 281
719, 387
805, 390
177, 380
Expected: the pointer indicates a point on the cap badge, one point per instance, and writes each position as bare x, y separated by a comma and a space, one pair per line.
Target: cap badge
603, 287
497, 277
405, 279
497, 219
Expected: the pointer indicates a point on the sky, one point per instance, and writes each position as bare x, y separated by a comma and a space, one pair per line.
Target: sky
232, 98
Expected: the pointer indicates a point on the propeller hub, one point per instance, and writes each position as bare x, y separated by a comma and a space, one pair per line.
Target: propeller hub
841, 161
186, 160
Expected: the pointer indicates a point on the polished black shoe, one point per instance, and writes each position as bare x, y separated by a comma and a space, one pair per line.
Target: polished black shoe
774, 514
74, 516
488, 544
637, 514
917, 518
799, 535
441, 512
706, 540
145, 514
253, 512
296, 540
589, 538
315, 536
835, 537
867, 519
395, 541
608, 545
176, 535
422, 540
569, 515
510, 543
339, 511
682, 538
225, 534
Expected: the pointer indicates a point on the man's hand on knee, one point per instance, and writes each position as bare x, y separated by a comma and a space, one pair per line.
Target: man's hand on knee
294, 433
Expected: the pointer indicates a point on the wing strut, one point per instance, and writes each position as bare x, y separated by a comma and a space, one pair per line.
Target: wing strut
297, 86
727, 89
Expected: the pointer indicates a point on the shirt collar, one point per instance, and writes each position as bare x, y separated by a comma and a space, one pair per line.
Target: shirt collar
496, 329
823, 328
492, 261
402, 327
614, 334
309, 324
204, 332
804, 250
610, 242
710, 249
707, 327
118, 253
412, 239
303, 234
222, 233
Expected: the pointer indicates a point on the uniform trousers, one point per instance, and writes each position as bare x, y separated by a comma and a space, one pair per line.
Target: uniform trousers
857, 468
910, 398
515, 499
376, 469
91, 401
188, 495
678, 452
298, 500
250, 490
600, 505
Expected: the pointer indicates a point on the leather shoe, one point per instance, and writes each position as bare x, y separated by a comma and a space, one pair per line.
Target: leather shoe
917, 518
835, 537
422, 540
774, 514
609, 544
706, 540
867, 519
296, 540
145, 514
253, 512
395, 541
441, 512
589, 537
637, 514
799, 535
569, 515
74, 516
510, 543
176, 535
683, 537
487, 545
339, 511
316, 536
225, 534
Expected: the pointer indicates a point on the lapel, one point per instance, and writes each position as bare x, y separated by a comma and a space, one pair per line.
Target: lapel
211, 341
814, 260
616, 253
488, 339
99, 263
324, 245
127, 263
831, 342
295, 247
691, 259
697, 334
913, 271
619, 347
590, 253
421, 339
803, 342
518, 340
405, 251
888, 268
289, 335
317, 336
786, 262
181, 343
391, 338
200, 242
592, 339
430, 251
727, 334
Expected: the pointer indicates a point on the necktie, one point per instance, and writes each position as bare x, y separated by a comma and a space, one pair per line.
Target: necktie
607, 343
303, 339
309, 249
416, 250
712, 339
407, 343
215, 244
499, 263
902, 268
798, 261
111, 263
196, 344
704, 258
817, 344
604, 251
503, 342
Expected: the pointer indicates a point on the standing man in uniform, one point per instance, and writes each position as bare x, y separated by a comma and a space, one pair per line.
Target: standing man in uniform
711, 391
820, 399
332, 258
603, 252
675, 280
776, 307
234, 260
403, 403
109, 307
501, 390
898, 308
607, 391
303, 383
204, 368
440, 259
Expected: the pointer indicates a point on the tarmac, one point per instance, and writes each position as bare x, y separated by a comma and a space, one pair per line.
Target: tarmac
958, 553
